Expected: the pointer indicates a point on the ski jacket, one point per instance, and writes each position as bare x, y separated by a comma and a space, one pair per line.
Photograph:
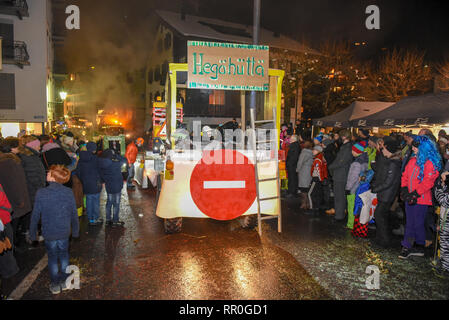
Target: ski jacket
319, 166
424, 187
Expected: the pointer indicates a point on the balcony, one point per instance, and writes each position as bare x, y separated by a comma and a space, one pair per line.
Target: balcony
17, 8
16, 53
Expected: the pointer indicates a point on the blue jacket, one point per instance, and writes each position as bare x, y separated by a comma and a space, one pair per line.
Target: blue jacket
55, 206
89, 172
111, 173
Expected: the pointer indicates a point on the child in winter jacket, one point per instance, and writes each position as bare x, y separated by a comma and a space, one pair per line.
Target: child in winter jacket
319, 174
111, 174
417, 182
359, 165
89, 173
55, 206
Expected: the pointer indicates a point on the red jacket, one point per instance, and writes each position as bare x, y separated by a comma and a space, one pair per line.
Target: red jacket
131, 153
5, 208
424, 187
320, 164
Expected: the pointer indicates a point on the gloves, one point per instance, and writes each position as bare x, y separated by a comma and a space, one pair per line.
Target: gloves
404, 194
413, 198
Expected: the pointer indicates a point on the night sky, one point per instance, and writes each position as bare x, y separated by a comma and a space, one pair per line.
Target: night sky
404, 23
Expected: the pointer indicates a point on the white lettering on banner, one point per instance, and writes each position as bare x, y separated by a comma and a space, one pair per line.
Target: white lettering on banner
373, 281
73, 21
421, 121
224, 185
362, 123
338, 124
389, 122
74, 276
373, 20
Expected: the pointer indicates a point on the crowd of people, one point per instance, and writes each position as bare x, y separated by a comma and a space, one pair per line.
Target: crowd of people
362, 180
46, 184
366, 181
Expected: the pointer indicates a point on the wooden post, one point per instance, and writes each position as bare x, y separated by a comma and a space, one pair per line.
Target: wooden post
243, 109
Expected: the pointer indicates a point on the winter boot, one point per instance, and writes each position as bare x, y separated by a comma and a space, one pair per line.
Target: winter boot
303, 199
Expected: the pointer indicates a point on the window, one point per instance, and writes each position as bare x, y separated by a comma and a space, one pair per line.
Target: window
164, 72
7, 91
159, 46
7, 33
150, 76
217, 98
167, 41
157, 73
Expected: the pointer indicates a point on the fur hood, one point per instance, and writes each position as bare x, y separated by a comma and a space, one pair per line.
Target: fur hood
9, 156
26, 151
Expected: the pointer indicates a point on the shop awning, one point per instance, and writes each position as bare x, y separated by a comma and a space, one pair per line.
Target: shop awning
346, 117
428, 109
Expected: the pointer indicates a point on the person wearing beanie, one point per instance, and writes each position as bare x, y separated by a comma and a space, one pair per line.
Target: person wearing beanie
69, 146
363, 135
110, 165
34, 173
407, 152
303, 167
319, 175
329, 154
88, 172
339, 169
372, 150
442, 144
386, 185
318, 140
358, 166
291, 162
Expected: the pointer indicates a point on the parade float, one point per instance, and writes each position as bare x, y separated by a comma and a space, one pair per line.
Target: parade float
219, 178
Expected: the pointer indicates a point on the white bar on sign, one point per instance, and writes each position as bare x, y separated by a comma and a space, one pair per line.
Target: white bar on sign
224, 185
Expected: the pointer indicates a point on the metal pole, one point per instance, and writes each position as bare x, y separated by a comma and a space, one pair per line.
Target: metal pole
256, 22
256, 31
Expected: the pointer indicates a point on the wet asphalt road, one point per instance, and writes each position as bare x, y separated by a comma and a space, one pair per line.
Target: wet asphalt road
314, 258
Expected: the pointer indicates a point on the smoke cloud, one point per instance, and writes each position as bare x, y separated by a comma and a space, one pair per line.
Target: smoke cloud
111, 49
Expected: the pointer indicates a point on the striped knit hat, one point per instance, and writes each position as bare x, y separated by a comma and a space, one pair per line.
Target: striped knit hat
359, 147
319, 138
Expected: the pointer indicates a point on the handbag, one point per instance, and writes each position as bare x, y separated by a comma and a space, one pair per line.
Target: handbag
369, 200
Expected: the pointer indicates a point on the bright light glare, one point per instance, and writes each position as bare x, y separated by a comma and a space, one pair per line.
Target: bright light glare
10, 129
63, 95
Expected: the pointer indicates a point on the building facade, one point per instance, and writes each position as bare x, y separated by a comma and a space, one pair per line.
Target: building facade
173, 31
26, 68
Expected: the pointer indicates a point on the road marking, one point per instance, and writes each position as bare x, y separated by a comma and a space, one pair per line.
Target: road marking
224, 185
26, 283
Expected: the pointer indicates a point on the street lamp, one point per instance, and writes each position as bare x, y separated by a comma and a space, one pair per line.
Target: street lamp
63, 95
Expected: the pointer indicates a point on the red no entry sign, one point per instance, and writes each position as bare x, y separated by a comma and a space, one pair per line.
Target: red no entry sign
223, 184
